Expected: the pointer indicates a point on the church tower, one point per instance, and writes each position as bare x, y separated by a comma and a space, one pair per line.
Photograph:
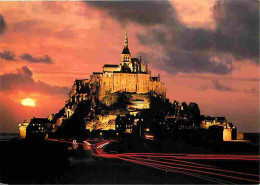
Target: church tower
126, 64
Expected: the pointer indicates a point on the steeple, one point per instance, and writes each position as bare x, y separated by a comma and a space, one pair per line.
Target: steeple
126, 50
126, 38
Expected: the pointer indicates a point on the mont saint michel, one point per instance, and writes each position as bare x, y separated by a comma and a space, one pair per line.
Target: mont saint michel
129, 92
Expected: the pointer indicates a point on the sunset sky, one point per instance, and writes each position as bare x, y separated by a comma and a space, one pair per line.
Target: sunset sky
205, 51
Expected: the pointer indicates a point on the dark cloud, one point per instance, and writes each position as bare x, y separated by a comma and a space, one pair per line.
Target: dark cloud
141, 12
220, 87
30, 58
193, 50
8, 55
251, 91
191, 62
23, 80
11, 56
221, 78
3, 25
237, 26
152, 36
216, 85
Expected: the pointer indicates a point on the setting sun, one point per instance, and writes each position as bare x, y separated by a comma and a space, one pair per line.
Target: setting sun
28, 102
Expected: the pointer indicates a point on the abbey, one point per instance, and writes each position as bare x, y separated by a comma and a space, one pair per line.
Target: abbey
131, 75
125, 99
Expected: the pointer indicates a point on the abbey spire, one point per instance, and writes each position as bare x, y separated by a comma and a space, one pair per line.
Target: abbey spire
126, 38
126, 61
126, 50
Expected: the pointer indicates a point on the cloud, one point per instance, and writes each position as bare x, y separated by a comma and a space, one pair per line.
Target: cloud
22, 80
141, 12
30, 58
238, 28
11, 56
251, 91
191, 62
204, 77
8, 55
3, 25
218, 86
237, 25
187, 49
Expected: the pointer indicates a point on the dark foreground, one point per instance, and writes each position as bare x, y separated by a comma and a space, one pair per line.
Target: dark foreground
51, 162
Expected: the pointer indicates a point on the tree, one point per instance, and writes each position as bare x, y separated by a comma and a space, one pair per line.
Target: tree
194, 113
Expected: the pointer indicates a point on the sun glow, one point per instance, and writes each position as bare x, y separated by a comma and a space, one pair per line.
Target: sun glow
28, 102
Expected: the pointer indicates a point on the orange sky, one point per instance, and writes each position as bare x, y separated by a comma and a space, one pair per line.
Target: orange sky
80, 38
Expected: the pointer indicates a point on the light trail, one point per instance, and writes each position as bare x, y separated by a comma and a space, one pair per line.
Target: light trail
198, 156
188, 162
182, 154
206, 168
186, 169
179, 171
175, 162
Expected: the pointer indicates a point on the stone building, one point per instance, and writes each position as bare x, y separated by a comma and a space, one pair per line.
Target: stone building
131, 75
39, 128
210, 121
22, 129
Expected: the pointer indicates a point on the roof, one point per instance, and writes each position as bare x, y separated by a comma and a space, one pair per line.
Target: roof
110, 65
155, 78
125, 50
125, 68
82, 79
135, 59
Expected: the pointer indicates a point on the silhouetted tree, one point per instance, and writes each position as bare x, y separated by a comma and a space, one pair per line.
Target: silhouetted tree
194, 113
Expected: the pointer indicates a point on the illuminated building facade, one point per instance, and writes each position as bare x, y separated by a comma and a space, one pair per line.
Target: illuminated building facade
39, 127
22, 129
131, 75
